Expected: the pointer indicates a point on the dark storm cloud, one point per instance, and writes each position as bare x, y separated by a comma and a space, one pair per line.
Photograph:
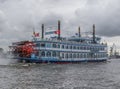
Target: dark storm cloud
109, 24
18, 17
2, 1
51, 19
104, 14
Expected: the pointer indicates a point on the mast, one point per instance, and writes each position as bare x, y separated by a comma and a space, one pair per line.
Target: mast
94, 33
58, 29
42, 31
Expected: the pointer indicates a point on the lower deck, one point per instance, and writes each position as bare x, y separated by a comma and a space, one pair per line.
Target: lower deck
56, 60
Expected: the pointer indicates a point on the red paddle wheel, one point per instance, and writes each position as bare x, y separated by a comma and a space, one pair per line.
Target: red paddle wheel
24, 49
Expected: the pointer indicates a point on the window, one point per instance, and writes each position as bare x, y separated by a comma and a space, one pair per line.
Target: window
87, 55
66, 56
48, 54
96, 55
88, 48
43, 54
62, 46
81, 48
48, 45
70, 55
71, 47
38, 44
62, 55
81, 55
103, 49
58, 46
74, 55
42, 44
67, 47
74, 47
54, 54
37, 53
54, 45
77, 55
58, 54
84, 55
84, 48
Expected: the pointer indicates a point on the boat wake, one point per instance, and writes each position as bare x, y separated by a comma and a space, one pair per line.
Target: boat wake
6, 60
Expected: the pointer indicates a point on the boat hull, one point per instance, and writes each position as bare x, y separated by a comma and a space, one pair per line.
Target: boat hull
41, 60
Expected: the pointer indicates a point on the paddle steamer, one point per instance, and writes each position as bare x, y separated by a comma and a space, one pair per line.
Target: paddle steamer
59, 49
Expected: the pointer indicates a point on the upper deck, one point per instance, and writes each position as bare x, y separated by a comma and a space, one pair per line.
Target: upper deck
77, 41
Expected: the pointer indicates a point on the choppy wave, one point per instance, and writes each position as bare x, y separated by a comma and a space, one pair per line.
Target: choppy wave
104, 75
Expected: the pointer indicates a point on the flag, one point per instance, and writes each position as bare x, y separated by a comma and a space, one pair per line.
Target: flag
36, 34
57, 32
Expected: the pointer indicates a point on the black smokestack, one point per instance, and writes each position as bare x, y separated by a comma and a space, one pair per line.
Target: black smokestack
79, 31
42, 31
94, 33
58, 29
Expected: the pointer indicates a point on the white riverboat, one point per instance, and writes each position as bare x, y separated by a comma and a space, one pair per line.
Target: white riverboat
61, 50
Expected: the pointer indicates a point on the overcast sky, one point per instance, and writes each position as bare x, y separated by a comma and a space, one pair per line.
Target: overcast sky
18, 17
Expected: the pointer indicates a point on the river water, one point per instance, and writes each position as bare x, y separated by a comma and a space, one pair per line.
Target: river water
104, 75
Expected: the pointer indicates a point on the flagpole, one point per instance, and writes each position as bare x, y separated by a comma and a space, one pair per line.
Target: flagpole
33, 33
